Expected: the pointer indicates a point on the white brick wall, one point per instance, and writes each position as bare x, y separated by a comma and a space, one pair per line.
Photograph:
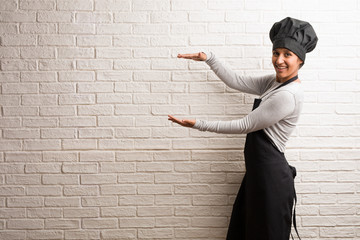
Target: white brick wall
87, 152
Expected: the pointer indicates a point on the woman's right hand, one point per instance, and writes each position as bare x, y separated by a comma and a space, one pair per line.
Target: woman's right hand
200, 56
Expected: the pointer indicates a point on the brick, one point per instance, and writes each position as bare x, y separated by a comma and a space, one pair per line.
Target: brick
76, 76
25, 224
136, 200
60, 179
23, 157
10, 145
81, 234
8, 28
95, 87
96, 133
134, 87
168, 41
78, 122
38, 76
136, 178
62, 202
37, 52
116, 144
118, 5
13, 213
43, 234
156, 233
20, 88
62, 224
12, 191
114, 76
78, 5
98, 179
12, 234
169, 133
133, 156
169, 17
110, 201
131, 17
100, 223
147, 5
79, 168
21, 134
56, 40
9, 5
117, 167
44, 213
18, 65
37, 28
71, 53
132, 110
131, 64
154, 167
152, 144
97, 156
27, 179
37, 5
172, 178
84, 17
44, 191
56, 65
9, 52
192, 189
192, 233
113, 29
133, 133
20, 17
144, 222
22, 40
118, 212
42, 168
124, 233
133, 41
96, 110
25, 202
9, 168
83, 144
154, 189
81, 190
78, 28
57, 111
173, 200
118, 190
61, 156
112, 53
76, 99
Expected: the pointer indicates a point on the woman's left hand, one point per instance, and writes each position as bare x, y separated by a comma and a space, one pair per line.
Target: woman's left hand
184, 122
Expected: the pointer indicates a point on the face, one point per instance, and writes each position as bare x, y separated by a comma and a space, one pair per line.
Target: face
286, 64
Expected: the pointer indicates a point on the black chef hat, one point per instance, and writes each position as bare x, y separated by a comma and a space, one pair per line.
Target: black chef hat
296, 35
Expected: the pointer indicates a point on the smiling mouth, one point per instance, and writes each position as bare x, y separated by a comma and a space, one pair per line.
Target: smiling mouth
280, 68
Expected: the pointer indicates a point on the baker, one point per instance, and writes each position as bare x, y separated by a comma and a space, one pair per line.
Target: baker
263, 206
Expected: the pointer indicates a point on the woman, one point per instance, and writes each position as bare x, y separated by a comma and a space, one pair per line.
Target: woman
263, 206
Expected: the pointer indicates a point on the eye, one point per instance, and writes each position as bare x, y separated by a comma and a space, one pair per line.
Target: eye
288, 54
275, 53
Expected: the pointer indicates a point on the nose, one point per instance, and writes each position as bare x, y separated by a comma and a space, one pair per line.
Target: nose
279, 59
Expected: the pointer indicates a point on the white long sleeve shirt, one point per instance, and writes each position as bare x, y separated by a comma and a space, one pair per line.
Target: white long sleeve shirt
277, 114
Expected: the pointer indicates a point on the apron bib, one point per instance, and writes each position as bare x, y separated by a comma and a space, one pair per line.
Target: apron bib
263, 207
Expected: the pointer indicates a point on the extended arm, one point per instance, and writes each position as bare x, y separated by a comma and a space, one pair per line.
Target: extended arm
274, 109
247, 84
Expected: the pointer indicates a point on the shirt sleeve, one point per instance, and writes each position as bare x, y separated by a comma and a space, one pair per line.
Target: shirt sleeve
277, 107
247, 84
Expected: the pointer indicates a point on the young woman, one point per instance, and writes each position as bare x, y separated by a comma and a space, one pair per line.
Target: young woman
263, 206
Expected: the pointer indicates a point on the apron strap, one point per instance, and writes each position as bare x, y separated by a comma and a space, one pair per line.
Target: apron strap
287, 82
293, 169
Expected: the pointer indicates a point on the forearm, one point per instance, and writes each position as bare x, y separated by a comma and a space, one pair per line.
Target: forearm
236, 81
267, 114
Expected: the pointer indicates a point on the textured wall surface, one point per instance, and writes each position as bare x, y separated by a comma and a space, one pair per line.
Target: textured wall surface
87, 152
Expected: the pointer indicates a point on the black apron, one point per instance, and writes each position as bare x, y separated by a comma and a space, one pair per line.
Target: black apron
263, 207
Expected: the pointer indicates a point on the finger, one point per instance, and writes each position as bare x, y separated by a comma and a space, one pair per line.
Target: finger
173, 119
188, 56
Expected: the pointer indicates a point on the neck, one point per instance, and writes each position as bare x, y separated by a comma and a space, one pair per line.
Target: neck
282, 80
